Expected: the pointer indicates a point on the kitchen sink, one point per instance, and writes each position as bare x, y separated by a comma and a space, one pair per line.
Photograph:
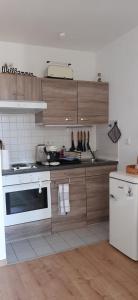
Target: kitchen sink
93, 161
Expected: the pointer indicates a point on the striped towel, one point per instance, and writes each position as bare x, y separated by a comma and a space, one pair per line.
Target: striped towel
63, 199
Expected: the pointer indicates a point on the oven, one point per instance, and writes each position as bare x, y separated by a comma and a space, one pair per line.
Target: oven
27, 197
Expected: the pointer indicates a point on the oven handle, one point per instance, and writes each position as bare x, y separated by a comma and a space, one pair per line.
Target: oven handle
12, 188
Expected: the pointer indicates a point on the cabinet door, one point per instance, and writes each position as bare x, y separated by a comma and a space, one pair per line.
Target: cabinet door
92, 102
77, 194
97, 198
97, 187
28, 88
7, 86
61, 98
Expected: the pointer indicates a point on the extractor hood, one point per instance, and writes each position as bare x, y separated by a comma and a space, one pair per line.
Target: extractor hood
20, 107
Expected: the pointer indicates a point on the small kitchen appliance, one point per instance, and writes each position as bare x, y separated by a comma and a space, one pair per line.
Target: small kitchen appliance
52, 155
59, 70
40, 153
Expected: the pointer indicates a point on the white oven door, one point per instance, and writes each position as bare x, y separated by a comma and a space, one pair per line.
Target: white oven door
27, 202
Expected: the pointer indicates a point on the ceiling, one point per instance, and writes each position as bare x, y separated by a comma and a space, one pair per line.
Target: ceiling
88, 24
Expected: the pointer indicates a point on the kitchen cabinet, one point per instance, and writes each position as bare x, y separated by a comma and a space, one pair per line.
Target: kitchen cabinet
77, 195
92, 102
28, 88
20, 87
61, 98
7, 86
97, 189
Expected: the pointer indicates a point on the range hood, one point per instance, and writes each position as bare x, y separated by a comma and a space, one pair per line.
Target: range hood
20, 107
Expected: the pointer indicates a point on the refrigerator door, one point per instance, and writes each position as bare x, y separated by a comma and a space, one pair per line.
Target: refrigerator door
123, 212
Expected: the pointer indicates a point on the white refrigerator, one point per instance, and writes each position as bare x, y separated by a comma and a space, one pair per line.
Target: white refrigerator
2, 227
123, 213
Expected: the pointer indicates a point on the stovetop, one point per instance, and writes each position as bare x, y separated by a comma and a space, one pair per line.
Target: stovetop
23, 166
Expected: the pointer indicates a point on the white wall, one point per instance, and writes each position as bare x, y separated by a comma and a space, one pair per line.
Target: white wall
2, 231
105, 148
118, 63
33, 59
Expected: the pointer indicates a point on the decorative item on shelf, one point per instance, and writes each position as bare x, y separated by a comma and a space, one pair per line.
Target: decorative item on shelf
59, 70
114, 133
11, 70
99, 77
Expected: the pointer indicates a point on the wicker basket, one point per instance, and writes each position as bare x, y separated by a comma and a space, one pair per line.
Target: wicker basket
132, 169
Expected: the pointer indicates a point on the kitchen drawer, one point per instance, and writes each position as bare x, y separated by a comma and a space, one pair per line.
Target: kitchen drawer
71, 181
67, 173
99, 170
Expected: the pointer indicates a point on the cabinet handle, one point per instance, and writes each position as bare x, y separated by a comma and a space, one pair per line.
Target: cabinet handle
68, 119
84, 119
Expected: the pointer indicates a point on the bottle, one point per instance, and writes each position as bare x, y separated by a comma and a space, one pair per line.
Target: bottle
62, 151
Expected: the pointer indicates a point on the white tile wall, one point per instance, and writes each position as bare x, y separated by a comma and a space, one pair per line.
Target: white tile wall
105, 147
20, 136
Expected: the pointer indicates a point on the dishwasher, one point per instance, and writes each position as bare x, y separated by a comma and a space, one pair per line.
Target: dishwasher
123, 213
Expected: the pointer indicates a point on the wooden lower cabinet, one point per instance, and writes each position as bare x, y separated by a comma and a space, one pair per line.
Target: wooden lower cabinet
77, 195
97, 187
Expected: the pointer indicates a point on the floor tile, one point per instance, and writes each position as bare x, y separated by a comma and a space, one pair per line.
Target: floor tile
98, 227
11, 257
82, 232
23, 250
57, 243
40, 246
72, 238
45, 245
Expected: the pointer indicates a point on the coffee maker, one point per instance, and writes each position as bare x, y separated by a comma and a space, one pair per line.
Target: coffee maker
52, 155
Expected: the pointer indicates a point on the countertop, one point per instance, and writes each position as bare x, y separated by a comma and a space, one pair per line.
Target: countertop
83, 164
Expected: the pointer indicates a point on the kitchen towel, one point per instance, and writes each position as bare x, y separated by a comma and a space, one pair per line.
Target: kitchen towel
114, 133
5, 162
63, 199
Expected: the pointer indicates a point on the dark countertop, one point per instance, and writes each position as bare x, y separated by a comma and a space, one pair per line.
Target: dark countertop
83, 164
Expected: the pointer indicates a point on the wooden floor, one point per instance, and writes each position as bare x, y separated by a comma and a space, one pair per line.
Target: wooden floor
92, 272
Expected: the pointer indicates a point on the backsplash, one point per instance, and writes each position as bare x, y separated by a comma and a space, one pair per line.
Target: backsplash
20, 136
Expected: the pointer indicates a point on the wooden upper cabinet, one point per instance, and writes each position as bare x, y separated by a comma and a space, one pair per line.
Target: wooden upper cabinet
28, 88
7, 86
61, 98
92, 102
